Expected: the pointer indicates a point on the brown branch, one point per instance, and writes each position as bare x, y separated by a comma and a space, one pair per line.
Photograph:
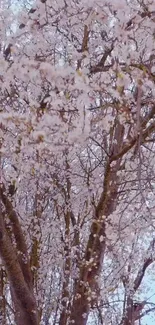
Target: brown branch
95, 249
141, 273
84, 47
85, 39
127, 147
145, 265
99, 68
146, 312
23, 295
19, 237
144, 14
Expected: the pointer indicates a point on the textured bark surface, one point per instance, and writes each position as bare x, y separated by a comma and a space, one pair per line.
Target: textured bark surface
15, 259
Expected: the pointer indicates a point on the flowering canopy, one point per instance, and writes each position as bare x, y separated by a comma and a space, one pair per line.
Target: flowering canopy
77, 116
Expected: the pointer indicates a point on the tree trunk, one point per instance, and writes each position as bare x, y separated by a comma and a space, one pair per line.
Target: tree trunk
2, 295
129, 313
24, 314
93, 260
19, 273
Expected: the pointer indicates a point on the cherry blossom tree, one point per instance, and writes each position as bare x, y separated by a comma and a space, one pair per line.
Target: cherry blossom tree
77, 116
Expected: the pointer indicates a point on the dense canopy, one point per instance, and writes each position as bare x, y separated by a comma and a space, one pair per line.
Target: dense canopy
77, 153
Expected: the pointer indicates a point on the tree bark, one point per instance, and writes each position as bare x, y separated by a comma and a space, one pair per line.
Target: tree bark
2, 295
94, 254
20, 281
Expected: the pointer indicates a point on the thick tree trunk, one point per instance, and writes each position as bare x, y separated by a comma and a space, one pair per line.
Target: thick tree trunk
15, 259
94, 255
23, 298
25, 312
80, 308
